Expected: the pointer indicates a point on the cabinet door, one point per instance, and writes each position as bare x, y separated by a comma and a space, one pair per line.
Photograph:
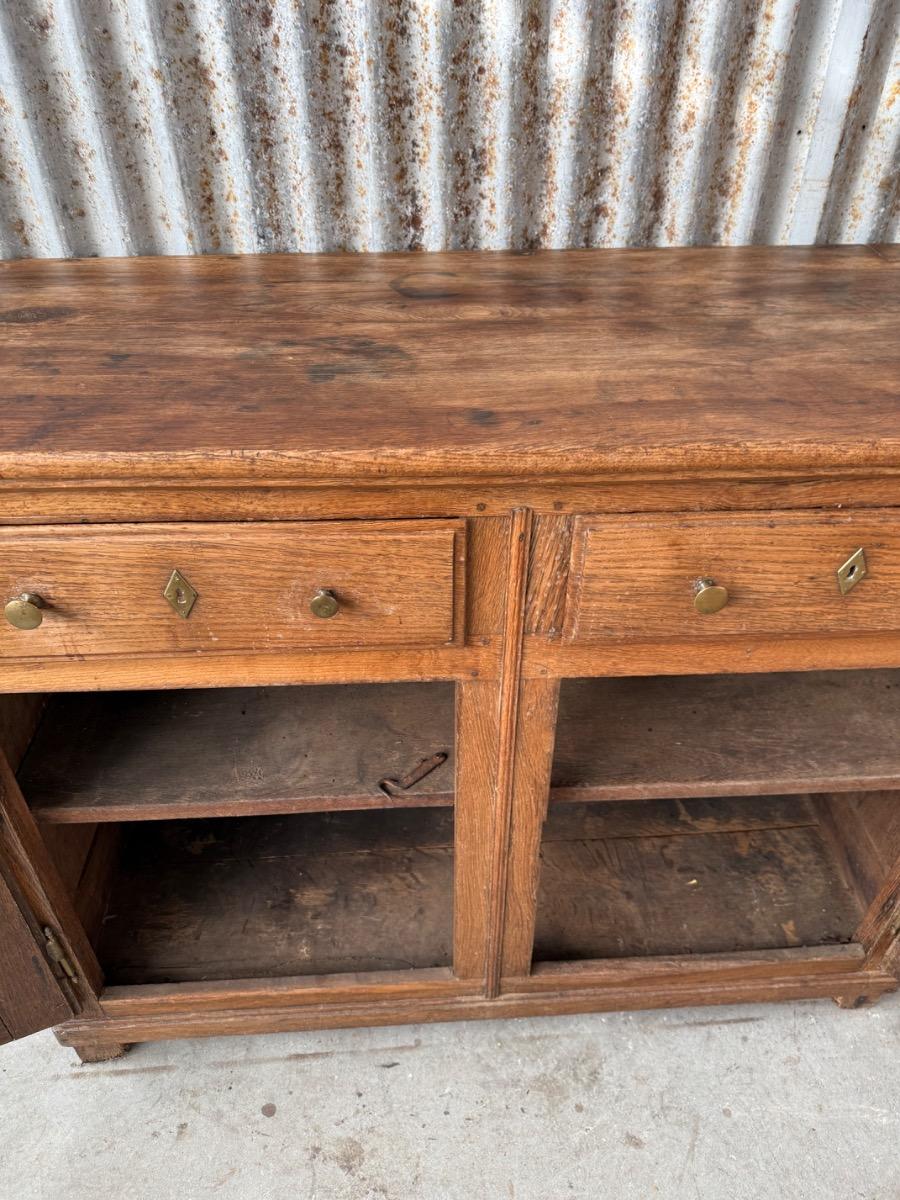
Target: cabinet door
31, 997
48, 970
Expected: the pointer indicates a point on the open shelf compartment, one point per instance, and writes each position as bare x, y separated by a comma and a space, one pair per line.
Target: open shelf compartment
254, 833
719, 814
660, 737
134, 756
260, 897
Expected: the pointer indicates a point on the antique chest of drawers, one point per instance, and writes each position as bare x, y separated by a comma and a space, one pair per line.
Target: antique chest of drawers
399, 638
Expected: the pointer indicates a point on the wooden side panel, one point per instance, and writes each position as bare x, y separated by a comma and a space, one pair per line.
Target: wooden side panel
879, 930
85, 856
20, 716
397, 583
69, 849
634, 577
866, 827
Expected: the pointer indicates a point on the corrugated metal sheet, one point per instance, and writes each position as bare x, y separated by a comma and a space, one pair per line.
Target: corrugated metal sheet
171, 126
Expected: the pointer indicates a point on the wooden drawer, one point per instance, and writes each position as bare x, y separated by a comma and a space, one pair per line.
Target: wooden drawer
398, 583
636, 576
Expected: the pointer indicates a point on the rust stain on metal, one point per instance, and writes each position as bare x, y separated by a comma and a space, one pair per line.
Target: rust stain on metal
390, 787
424, 124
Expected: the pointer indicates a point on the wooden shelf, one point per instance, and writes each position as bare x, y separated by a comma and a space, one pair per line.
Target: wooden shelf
134, 756
672, 877
718, 735
262, 897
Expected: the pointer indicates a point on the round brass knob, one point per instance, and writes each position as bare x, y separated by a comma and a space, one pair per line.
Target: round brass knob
324, 603
24, 612
709, 596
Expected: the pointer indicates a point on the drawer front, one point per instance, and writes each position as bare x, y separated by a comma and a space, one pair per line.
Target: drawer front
638, 576
396, 583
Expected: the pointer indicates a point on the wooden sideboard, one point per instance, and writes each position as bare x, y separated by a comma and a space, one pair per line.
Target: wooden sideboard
403, 638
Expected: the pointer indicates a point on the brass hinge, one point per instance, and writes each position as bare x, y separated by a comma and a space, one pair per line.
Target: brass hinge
57, 955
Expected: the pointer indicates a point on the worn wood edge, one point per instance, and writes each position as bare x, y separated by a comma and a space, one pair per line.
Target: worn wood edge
690, 969
177, 809
190, 669
510, 672
146, 502
777, 987
701, 788
95, 1051
708, 656
369, 987
482, 466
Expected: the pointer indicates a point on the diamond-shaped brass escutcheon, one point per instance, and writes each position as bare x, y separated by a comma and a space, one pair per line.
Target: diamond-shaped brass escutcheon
852, 571
180, 594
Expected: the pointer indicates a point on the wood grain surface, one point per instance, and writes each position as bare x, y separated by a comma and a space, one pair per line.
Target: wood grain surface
716, 735
398, 583
648, 880
30, 996
635, 577
307, 894
136, 756
474, 365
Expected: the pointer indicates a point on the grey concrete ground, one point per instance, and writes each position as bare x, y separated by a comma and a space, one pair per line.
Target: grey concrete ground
790, 1101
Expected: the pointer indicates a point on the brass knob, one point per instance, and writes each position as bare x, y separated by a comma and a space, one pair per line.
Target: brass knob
324, 603
709, 596
25, 611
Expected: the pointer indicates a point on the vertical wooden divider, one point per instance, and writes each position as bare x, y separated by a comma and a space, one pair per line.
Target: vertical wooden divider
485, 746
510, 670
535, 738
477, 727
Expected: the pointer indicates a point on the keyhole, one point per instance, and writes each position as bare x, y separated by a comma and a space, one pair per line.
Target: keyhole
180, 596
851, 572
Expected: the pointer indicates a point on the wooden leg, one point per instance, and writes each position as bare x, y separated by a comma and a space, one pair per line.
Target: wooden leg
535, 737
89, 1049
95, 1052
856, 1001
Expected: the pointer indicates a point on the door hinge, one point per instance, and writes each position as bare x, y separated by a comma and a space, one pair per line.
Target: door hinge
57, 955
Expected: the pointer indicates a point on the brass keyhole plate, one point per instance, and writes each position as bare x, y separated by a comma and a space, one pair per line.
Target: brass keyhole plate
852, 571
180, 594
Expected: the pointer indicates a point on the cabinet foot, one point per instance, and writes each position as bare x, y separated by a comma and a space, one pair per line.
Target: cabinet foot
95, 1052
856, 1001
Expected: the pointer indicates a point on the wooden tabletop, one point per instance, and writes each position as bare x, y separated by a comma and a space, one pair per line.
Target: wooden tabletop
465, 365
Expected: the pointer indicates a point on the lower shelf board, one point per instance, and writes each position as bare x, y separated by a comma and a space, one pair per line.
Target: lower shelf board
671, 877
256, 897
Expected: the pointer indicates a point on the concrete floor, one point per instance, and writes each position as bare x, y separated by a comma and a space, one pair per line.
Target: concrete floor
790, 1101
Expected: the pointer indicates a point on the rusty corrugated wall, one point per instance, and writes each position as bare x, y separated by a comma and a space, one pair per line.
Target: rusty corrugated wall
171, 126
